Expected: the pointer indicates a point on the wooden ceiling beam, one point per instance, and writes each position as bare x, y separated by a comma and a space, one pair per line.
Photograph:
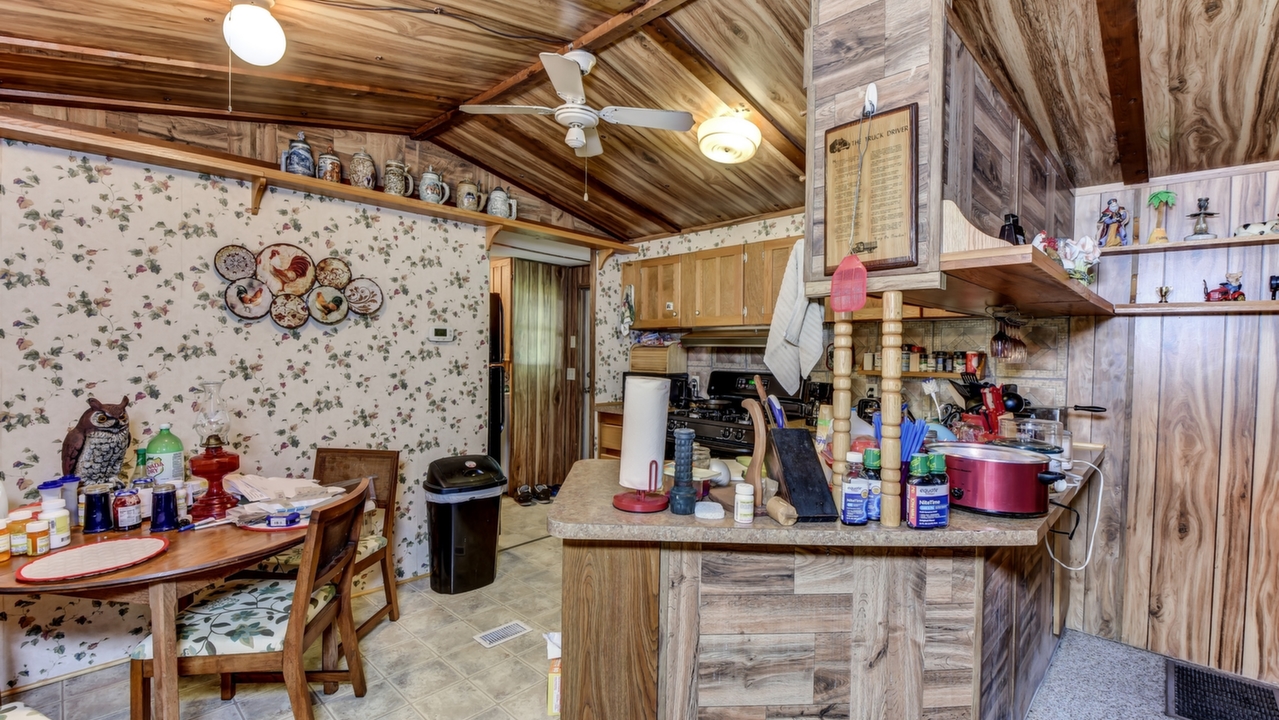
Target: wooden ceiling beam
153, 63
680, 46
616, 28
95, 103
608, 227
1121, 45
548, 156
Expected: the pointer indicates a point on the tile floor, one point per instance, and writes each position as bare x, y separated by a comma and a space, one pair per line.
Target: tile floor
424, 667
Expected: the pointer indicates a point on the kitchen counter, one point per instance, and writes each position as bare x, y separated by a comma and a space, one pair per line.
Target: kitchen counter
614, 408
667, 617
583, 510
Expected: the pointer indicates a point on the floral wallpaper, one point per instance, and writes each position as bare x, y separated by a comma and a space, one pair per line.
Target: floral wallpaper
613, 340
108, 291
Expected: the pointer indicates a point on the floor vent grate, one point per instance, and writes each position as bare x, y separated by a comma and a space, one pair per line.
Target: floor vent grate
1198, 693
499, 635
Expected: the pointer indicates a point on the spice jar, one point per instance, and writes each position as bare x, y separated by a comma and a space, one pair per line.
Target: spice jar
18, 520
127, 510
37, 538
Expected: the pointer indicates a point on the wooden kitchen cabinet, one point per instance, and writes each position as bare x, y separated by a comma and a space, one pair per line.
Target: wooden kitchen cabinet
715, 287
762, 278
659, 291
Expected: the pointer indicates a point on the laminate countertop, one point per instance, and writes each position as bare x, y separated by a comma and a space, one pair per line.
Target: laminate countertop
583, 510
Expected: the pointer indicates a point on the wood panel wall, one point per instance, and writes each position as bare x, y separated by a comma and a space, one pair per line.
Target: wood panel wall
1187, 552
546, 407
992, 164
264, 141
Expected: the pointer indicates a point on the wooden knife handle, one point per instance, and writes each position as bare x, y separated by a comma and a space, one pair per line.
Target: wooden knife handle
755, 472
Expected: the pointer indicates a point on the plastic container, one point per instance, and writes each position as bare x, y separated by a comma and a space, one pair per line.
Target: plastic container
870, 471
55, 513
37, 538
744, 504
97, 515
71, 496
50, 490
18, 520
164, 459
463, 507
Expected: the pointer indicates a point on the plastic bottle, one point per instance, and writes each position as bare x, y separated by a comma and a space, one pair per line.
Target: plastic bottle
164, 458
5, 555
744, 504
928, 492
18, 520
855, 493
142, 482
37, 538
50, 489
870, 471
55, 513
70, 496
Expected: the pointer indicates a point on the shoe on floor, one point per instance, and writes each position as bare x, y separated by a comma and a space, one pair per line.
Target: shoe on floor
542, 494
524, 496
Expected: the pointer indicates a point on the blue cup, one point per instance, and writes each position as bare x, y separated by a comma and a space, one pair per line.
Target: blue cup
164, 508
97, 509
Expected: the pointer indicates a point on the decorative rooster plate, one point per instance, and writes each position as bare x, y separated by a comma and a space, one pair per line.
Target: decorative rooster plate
333, 272
286, 269
328, 305
248, 298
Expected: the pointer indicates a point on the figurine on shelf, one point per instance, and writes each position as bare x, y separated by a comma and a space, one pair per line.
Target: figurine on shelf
1166, 290
1201, 222
1274, 287
1160, 201
1258, 228
1077, 257
1230, 290
1112, 226
95, 448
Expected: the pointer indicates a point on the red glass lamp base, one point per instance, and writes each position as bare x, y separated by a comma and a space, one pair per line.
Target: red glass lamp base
213, 464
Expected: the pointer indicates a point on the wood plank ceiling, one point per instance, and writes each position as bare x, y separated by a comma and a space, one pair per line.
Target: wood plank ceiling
405, 73
1206, 80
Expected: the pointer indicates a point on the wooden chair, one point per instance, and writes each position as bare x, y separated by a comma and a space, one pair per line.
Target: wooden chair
336, 466
258, 629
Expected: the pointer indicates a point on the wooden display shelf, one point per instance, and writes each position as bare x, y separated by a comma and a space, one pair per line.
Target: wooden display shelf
1247, 307
910, 374
85, 138
1175, 246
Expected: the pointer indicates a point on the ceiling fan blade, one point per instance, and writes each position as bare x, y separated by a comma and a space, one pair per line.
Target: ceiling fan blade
506, 110
644, 117
592, 146
566, 76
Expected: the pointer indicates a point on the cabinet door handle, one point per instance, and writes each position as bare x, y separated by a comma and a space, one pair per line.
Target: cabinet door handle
697, 312
675, 314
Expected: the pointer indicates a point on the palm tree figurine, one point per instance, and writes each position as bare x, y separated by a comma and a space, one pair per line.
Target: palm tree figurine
1160, 201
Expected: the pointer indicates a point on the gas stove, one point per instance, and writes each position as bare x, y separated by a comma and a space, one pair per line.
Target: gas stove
720, 422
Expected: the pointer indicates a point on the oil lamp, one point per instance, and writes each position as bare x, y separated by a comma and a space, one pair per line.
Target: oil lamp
212, 422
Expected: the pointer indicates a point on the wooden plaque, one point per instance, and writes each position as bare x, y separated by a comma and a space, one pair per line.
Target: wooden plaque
887, 210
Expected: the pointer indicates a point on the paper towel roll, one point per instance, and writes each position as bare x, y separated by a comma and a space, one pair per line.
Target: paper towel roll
643, 429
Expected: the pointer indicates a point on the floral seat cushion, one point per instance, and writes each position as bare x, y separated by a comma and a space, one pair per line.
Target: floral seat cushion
18, 711
289, 560
242, 616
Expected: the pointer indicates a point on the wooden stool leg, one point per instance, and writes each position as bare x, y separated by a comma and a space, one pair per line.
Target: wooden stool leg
388, 583
228, 686
329, 651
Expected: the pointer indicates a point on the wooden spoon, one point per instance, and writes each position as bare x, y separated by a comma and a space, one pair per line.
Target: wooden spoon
755, 471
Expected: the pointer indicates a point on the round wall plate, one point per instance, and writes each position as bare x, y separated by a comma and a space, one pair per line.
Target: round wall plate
286, 269
248, 298
328, 305
235, 262
364, 296
289, 311
333, 272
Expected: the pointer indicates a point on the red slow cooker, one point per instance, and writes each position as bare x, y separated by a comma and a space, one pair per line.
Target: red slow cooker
997, 480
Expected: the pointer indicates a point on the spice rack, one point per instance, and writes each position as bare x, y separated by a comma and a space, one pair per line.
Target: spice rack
908, 374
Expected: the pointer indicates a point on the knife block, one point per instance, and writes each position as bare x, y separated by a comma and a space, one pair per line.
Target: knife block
792, 461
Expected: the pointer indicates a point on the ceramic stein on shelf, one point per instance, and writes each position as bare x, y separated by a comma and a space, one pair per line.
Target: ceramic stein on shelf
432, 187
469, 196
396, 179
329, 167
298, 159
501, 204
363, 171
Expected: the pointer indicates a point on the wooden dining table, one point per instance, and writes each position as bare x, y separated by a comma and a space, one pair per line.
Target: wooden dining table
193, 560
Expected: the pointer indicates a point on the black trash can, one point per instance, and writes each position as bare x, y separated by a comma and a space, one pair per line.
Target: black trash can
463, 505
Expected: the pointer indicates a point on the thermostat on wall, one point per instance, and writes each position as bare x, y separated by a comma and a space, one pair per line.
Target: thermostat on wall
441, 334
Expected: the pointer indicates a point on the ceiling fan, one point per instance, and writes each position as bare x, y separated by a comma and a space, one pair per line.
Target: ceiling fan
566, 72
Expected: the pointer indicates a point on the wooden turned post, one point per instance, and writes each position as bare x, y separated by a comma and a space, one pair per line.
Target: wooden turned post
842, 397
891, 411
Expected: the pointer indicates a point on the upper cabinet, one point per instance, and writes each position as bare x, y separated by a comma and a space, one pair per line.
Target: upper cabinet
763, 272
716, 293
659, 291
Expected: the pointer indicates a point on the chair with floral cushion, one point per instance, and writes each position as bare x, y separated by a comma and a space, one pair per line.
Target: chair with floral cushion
18, 711
259, 628
382, 468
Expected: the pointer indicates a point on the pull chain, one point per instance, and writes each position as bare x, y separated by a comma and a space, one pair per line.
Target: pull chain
586, 174
228, 80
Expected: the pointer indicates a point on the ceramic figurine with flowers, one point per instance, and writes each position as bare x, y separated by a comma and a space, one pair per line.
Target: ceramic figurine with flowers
1078, 257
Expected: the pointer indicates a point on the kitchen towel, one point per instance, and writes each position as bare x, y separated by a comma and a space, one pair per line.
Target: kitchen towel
643, 429
795, 336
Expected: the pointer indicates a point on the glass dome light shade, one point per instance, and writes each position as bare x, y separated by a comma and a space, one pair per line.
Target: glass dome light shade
728, 139
253, 34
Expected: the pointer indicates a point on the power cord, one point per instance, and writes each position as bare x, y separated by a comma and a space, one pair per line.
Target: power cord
439, 11
1092, 539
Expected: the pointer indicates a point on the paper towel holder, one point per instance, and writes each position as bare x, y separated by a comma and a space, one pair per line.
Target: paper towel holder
644, 501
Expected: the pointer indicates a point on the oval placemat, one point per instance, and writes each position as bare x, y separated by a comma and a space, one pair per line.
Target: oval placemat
96, 559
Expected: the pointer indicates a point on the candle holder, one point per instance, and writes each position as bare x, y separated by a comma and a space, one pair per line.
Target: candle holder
212, 421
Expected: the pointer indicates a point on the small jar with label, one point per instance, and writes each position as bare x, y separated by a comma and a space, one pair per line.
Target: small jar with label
18, 520
744, 504
55, 513
127, 510
145, 487
37, 538
5, 555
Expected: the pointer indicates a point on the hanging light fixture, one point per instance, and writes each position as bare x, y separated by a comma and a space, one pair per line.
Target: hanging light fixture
730, 139
252, 33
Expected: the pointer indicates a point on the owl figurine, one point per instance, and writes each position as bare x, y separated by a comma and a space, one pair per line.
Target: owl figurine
95, 448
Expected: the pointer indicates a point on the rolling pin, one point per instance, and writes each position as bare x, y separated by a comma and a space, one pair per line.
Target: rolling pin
782, 511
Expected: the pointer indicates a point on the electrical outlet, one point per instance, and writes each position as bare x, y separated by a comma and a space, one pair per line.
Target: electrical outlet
572, 341
872, 390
